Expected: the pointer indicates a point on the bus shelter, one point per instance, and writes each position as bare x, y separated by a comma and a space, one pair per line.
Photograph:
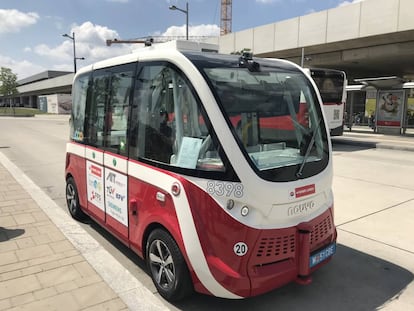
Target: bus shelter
385, 104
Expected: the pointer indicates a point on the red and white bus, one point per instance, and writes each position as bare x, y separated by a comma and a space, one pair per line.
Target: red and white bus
332, 87
225, 208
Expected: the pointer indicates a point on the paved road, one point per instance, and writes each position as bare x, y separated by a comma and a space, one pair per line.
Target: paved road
374, 211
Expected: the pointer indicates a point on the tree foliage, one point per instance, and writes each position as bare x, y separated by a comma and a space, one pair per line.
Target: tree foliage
8, 83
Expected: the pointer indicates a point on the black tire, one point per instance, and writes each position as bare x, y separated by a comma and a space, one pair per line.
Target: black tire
72, 200
167, 266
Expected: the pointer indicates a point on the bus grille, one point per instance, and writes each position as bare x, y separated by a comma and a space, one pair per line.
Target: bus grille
320, 232
275, 248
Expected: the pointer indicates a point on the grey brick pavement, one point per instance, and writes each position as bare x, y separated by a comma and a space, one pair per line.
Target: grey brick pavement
48, 262
39, 268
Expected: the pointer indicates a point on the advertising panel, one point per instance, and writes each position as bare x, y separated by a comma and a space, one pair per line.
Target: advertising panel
95, 184
42, 103
370, 103
410, 108
390, 106
64, 103
52, 103
116, 196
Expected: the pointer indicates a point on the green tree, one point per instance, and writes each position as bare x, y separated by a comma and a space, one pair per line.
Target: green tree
8, 85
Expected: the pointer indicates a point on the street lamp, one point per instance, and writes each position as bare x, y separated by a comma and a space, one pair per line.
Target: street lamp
74, 49
173, 7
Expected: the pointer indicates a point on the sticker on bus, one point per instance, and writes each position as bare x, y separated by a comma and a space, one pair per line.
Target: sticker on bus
95, 184
116, 196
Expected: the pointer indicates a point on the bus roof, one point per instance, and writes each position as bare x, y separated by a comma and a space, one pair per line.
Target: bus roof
166, 48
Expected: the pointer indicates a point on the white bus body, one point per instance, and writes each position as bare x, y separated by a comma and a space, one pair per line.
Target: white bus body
216, 169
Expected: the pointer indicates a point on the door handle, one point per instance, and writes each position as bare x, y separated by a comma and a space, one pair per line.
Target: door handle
133, 207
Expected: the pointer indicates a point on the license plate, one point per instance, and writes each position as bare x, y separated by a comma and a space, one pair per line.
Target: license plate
322, 255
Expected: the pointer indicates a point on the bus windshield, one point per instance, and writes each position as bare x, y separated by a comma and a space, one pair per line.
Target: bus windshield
330, 84
274, 114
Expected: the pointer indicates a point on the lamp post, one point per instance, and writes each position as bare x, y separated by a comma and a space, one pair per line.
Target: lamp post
74, 49
173, 7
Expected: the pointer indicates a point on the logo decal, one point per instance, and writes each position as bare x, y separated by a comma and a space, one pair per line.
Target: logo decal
304, 191
301, 208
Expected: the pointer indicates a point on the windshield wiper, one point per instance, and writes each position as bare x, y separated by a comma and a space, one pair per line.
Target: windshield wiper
310, 144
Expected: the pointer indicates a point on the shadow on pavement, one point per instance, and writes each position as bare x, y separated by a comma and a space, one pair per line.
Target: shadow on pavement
351, 281
8, 234
350, 146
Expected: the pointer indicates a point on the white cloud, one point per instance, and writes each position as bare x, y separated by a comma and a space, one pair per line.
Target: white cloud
267, 1
349, 2
199, 30
90, 42
14, 20
22, 69
56, 20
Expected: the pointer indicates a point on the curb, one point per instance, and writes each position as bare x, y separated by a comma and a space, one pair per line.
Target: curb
17, 115
371, 144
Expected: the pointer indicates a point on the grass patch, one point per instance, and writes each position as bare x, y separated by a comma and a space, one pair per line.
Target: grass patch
19, 111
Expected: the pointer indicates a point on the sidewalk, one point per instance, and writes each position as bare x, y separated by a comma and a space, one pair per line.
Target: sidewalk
48, 262
365, 137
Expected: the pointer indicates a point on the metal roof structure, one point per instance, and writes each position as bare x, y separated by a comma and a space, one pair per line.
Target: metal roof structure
371, 38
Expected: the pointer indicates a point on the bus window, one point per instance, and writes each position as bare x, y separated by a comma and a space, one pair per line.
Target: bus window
332, 85
274, 113
95, 109
80, 93
118, 109
107, 112
170, 128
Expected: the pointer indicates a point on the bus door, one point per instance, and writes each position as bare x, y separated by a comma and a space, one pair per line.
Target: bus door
107, 160
167, 133
151, 139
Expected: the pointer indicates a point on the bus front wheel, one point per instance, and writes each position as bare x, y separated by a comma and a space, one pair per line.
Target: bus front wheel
72, 200
167, 266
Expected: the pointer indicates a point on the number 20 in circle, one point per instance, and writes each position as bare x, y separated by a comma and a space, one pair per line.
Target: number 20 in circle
240, 248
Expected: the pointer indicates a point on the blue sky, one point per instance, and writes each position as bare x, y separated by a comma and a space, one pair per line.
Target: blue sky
31, 31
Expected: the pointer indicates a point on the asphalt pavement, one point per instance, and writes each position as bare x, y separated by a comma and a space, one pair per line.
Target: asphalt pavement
48, 262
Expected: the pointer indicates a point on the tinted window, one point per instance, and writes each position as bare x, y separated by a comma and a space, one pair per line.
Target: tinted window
168, 124
273, 112
108, 109
79, 99
330, 85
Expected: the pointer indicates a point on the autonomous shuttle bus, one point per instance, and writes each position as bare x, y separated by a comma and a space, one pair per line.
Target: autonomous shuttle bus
215, 169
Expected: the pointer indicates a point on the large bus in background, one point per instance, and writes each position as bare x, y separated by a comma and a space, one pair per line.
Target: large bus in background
225, 208
332, 87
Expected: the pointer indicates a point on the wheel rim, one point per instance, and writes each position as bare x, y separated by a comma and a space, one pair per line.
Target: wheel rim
162, 265
71, 198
